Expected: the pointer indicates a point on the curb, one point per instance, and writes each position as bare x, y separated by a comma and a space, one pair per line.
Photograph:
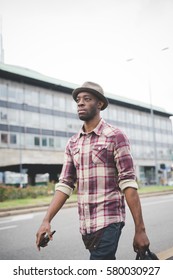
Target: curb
30, 209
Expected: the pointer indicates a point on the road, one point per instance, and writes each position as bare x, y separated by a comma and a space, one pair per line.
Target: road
17, 233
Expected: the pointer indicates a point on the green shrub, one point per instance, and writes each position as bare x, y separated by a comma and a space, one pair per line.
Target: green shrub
9, 192
2, 193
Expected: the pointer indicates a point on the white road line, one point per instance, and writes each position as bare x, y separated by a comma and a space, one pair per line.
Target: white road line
22, 217
17, 218
8, 227
155, 202
5, 222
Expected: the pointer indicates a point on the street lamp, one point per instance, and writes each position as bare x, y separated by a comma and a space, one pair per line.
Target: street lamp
152, 118
154, 132
20, 146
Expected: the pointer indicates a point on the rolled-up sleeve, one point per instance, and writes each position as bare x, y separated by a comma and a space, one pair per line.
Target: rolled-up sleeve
124, 162
64, 188
67, 177
128, 184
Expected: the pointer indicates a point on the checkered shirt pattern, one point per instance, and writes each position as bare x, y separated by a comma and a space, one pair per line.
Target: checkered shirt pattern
98, 162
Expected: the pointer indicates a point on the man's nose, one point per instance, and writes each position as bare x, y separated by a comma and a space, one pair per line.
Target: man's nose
80, 102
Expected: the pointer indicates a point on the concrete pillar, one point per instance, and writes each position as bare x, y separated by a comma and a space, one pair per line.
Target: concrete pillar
31, 179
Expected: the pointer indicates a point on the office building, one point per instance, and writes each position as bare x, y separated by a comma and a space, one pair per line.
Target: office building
38, 115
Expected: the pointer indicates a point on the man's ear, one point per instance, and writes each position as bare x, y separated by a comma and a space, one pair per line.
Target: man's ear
100, 104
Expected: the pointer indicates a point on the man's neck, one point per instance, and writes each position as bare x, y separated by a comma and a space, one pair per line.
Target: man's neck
91, 125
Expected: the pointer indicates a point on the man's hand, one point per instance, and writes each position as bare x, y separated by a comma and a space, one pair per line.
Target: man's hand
55, 205
44, 228
140, 242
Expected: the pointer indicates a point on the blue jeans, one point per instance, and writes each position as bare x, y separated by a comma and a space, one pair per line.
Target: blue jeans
108, 243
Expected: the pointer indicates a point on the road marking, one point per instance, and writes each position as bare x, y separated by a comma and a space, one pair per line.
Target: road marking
8, 227
156, 202
22, 217
17, 218
165, 254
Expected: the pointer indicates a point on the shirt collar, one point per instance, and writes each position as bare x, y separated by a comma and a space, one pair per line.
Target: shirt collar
97, 130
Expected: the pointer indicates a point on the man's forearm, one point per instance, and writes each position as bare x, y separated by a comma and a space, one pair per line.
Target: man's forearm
57, 202
134, 205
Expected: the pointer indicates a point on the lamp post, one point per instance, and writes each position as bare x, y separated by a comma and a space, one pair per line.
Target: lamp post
153, 132
20, 148
20, 145
152, 118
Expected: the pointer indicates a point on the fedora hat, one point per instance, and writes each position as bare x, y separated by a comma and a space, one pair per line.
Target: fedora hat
94, 89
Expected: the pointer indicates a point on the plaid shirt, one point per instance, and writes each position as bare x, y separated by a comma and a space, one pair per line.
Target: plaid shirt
101, 164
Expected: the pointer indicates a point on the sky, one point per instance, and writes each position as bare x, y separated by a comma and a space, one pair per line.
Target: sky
124, 45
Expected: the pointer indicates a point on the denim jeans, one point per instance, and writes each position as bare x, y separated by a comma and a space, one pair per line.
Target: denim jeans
108, 243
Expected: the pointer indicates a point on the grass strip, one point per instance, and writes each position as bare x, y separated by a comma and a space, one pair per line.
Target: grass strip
44, 200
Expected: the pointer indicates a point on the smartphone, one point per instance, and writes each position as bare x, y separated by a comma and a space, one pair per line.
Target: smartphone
45, 240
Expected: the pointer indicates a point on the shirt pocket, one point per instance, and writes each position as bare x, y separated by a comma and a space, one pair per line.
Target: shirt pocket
99, 154
76, 157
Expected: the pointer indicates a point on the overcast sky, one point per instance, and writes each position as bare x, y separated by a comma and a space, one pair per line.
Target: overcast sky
125, 45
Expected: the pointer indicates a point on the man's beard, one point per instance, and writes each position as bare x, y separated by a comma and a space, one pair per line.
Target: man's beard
89, 115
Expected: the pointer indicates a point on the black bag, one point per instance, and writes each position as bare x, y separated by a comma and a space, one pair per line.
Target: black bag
148, 255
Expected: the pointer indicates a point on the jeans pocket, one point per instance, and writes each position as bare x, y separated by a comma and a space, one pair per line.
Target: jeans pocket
92, 240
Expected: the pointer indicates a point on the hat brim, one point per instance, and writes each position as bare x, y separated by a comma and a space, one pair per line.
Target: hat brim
93, 91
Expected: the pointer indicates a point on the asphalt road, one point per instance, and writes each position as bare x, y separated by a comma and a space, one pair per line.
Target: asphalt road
17, 233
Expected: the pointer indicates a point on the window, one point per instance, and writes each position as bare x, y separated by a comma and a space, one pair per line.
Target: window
13, 139
46, 121
32, 119
36, 141
31, 96
60, 123
11, 92
4, 138
3, 115
3, 91
112, 112
44, 142
59, 102
15, 93
14, 116
121, 114
130, 115
51, 142
46, 99
137, 118
60, 142
70, 105
29, 140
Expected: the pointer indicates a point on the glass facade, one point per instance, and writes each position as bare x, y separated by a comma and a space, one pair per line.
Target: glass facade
36, 118
139, 128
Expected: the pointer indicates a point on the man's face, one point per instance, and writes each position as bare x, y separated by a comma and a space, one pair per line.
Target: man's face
87, 106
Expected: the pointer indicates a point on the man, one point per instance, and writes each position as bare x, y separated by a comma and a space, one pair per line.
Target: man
98, 159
